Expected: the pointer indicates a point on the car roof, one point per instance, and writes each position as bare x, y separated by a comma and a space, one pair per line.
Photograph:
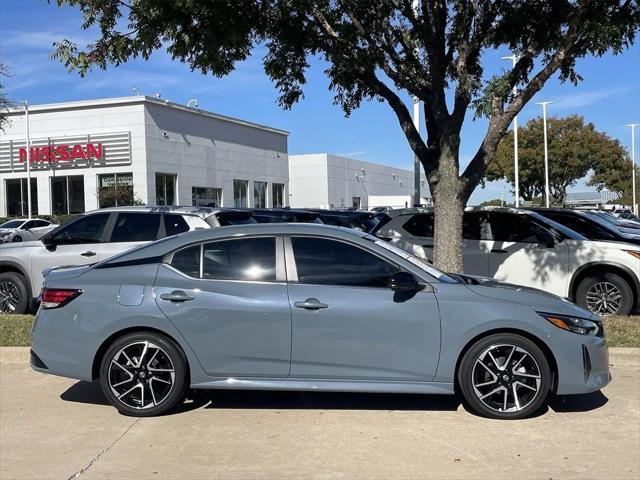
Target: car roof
202, 212
162, 247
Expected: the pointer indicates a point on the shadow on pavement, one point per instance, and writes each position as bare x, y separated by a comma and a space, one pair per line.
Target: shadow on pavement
578, 403
88, 392
327, 400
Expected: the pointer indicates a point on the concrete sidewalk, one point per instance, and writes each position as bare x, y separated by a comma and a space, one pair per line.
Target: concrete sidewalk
58, 428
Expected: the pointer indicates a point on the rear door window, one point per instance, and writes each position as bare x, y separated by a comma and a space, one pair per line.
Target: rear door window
420, 225
187, 261
136, 227
249, 259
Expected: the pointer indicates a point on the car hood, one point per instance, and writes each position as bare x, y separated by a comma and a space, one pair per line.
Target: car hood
539, 300
32, 243
7, 230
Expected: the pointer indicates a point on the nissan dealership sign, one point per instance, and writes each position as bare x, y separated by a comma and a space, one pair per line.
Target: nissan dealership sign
103, 149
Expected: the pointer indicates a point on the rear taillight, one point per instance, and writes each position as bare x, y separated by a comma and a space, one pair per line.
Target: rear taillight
57, 297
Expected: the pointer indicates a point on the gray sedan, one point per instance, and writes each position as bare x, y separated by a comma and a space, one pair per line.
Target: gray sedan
308, 307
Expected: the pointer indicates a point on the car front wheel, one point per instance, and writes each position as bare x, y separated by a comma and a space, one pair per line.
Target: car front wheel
504, 376
143, 374
14, 297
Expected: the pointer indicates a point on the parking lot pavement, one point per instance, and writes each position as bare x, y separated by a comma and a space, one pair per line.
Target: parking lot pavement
58, 428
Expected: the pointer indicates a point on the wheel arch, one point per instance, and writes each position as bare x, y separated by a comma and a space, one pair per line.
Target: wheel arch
104, 346
612, 267
553, 364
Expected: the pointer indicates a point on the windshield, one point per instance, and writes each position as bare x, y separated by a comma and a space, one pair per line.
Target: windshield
12, 224
417, 261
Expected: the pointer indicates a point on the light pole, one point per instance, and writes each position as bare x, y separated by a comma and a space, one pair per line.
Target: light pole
514, 60
546, 152
633, 164
28, 159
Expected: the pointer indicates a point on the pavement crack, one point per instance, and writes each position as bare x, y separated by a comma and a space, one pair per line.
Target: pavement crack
102, 452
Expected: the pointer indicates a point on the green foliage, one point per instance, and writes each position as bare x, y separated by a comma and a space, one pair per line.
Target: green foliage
575, 148
494, 202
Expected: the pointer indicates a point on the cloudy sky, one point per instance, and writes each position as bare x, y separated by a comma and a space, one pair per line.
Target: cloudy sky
609, 96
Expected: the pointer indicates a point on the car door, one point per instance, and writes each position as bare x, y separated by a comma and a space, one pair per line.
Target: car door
78, 243
348, 324
525, 253
228, 298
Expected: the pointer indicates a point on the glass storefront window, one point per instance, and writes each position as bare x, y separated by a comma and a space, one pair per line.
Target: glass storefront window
165, 188
206, 197
260, 194
240, 188
17, 197
67, 195
277, 195
115, 190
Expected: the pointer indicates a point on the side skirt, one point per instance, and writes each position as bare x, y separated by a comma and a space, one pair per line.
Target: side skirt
438, 388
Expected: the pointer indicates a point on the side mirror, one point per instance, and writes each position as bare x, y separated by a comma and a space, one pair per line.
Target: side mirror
49, 243
404, 282
547, 239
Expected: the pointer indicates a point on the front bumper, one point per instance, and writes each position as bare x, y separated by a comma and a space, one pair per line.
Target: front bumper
584, 368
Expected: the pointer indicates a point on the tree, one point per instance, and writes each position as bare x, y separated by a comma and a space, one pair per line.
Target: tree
615, 175
383, 50
574, 148
5, 103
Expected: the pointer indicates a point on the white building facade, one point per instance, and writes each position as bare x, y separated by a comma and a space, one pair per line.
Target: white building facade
92, 154
323, 180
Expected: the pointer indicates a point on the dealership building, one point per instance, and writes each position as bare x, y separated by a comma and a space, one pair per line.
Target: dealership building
93, 154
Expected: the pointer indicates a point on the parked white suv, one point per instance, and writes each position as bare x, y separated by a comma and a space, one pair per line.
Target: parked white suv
524, 248
95, 236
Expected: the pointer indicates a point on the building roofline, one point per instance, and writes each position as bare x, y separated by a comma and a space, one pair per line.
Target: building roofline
140, 99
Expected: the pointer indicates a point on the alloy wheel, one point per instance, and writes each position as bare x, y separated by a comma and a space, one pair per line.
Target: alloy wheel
9, 297
604, 298
141, 375
506, 378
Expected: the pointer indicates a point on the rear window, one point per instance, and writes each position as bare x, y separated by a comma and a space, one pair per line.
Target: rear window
175, 224
420, 225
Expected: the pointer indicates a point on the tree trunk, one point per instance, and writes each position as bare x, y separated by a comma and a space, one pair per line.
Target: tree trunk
449, 203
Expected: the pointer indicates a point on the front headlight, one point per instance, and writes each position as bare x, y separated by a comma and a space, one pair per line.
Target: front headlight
573, 324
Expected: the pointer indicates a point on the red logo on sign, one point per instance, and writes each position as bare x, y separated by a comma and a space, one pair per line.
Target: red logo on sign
61, 153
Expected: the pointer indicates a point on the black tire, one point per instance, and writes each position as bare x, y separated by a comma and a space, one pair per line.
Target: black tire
470, 377
14, 293
16, 238
610, 281
142, 401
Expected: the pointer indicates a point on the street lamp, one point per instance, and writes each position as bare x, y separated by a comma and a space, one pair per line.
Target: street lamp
28, 159
546, 152
633, 163
416, 123
514, 60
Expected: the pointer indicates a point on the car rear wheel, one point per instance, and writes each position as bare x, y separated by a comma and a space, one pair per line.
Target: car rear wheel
605, 294
504, 376
143, 374
14, 296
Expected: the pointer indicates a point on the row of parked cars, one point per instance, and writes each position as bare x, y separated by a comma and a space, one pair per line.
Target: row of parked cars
590, 258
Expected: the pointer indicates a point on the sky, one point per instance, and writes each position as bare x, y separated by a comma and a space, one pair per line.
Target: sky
609, 95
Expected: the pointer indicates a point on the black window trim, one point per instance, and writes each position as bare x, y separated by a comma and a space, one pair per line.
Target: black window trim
281, 278
292, 269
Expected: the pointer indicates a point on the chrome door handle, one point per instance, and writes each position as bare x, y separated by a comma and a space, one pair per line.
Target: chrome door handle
88, 253
311, 304
176, 296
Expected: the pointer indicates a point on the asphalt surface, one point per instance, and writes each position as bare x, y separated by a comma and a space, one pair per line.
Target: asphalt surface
59, 428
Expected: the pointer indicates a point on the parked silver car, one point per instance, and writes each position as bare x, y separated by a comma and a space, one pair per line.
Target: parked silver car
95, 236
308, 307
